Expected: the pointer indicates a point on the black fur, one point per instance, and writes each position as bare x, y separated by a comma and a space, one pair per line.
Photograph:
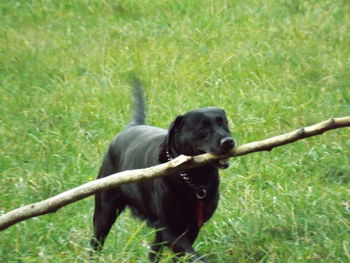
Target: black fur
168, 204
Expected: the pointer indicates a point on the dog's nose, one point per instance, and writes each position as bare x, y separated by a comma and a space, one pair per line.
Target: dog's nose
227, 143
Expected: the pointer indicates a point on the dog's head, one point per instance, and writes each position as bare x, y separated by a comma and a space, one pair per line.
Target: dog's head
201, 131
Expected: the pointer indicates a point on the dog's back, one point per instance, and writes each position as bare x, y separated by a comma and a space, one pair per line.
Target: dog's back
138, 147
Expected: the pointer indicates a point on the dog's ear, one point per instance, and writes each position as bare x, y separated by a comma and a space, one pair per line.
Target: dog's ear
175, 126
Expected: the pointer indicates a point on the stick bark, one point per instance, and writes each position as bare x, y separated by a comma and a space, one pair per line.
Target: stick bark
177, 165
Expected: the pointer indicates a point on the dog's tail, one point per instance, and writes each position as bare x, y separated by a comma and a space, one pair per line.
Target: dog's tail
139, 117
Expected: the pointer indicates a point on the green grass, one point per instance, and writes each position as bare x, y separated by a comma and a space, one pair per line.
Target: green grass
273, 65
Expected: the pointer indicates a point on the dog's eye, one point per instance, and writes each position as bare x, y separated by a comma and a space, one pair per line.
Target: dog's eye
205, 125
221, 121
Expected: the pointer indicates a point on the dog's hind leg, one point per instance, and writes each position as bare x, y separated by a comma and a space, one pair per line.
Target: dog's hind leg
108, 205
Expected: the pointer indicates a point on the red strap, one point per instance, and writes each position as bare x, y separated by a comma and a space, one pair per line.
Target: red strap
200, 213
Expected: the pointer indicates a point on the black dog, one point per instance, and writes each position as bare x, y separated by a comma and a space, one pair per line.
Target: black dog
175, 205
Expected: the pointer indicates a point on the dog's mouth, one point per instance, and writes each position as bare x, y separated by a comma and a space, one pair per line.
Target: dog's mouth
200, 152
212, 150
220, 164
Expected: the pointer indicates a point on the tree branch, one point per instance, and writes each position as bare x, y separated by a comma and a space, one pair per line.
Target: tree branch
175, 166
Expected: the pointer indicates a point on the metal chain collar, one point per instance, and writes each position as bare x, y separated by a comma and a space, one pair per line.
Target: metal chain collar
200, 190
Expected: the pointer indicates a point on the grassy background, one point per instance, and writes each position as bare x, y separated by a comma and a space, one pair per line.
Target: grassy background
273, 65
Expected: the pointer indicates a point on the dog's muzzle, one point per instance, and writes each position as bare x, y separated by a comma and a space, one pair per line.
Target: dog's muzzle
227, 143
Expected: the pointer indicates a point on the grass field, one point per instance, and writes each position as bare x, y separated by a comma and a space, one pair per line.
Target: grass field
273, 65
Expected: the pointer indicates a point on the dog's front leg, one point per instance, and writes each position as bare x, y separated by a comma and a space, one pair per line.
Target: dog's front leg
181, 244
156, 248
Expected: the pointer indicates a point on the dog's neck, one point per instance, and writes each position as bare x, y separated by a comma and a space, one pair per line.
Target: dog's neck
198, 187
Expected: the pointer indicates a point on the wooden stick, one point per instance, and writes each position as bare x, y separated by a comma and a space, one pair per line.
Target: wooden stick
175, 166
